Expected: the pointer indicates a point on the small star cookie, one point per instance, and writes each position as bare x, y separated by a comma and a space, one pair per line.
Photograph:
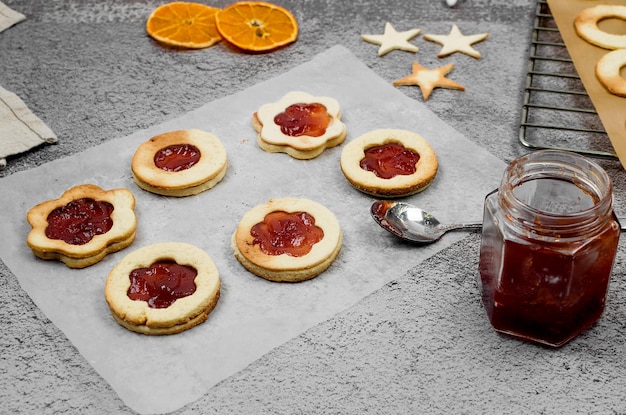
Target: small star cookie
429, 79
392, 39
457, 42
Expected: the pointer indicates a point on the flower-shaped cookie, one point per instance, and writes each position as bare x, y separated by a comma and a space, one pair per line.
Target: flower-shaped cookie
82, 226
300, 125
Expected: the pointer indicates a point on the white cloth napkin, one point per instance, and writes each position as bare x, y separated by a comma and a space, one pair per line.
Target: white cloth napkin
9, 17
20, 129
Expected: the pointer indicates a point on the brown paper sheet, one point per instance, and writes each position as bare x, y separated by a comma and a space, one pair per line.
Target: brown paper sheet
611, 108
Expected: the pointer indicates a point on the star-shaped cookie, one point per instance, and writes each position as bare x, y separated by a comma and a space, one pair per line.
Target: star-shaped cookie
457, 42
429, 79
393, 39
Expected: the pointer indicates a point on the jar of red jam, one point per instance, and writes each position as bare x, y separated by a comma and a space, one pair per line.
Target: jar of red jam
548, 243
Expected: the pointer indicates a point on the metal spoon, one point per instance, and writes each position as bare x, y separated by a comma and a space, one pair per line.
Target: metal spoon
412, 223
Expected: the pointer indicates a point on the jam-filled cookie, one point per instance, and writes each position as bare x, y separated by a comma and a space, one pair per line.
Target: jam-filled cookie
179, 163
300, 125
165, 288
82, 226
389, 163
287, 240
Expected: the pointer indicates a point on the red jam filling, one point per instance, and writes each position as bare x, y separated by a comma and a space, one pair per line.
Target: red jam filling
162, 283
293, 233
390, 160
177, 157
303, 119
79, 221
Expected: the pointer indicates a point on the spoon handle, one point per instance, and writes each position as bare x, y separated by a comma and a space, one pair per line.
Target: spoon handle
461, 226
472, 225
479, 225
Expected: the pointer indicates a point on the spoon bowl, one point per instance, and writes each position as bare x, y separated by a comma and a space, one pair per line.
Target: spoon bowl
412, 223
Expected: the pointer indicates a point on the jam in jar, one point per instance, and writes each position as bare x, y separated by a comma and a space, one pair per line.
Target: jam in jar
548, 244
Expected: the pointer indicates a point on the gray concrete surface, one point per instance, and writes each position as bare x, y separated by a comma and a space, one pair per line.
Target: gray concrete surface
418, 345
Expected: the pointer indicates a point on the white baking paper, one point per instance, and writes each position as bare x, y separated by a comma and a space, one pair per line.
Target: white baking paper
161, 374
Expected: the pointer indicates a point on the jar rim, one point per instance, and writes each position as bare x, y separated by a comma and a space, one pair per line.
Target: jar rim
589, 176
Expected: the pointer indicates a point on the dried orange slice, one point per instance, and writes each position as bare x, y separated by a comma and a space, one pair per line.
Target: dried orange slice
256, 26
188, 25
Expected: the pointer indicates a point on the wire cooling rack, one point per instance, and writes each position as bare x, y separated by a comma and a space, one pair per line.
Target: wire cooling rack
557, 113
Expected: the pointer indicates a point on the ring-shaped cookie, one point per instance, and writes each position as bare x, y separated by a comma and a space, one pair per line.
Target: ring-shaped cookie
119, 236
608, 71
586, 25
401, 185
206, 173
184, 313
283, 267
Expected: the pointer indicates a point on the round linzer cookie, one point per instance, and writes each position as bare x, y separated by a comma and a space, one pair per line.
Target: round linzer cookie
300, 125
165, 288
179, 163
389, 163
287, 240
82, 226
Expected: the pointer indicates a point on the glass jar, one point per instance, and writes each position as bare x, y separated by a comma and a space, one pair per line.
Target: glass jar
548, 244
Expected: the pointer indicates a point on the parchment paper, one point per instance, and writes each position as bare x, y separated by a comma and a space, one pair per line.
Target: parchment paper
610, 108
160, 374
